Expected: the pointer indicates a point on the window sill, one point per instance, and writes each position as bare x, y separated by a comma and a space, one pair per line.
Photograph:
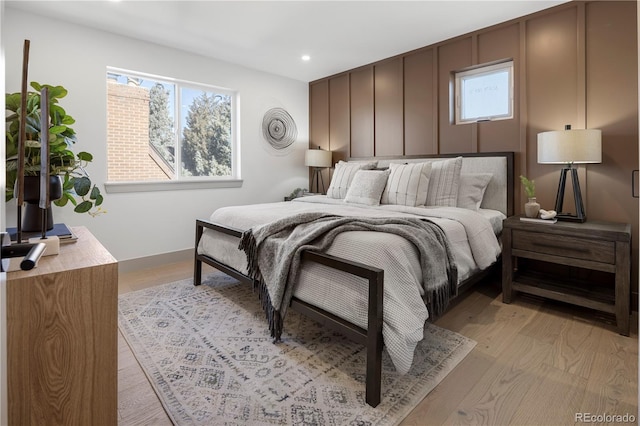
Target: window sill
119, 187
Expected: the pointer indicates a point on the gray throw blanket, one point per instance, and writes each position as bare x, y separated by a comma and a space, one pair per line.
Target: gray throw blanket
274, 254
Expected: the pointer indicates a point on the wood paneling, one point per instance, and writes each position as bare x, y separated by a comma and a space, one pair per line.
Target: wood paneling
613, 108
362, 133
319, 115
389, 109
420, 115
575, 63
452, 57
339, 117
319, 123
552, 68
501, 43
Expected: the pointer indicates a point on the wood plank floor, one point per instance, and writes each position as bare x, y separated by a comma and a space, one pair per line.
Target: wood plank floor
537, 362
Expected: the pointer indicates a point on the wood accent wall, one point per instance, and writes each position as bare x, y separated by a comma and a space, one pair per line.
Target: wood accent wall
576, 64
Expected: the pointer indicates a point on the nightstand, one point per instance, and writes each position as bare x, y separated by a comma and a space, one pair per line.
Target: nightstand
589, 246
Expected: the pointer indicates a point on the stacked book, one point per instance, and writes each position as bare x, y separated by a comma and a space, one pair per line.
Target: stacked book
538, 220
62, 231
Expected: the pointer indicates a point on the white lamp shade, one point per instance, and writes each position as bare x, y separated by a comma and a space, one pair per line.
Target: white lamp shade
317, 158
578, 146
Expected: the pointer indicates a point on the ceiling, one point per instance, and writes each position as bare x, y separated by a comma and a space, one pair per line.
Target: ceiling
272, 36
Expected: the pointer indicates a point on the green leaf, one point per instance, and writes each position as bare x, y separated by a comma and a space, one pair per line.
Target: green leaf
67, 185
82, 185
33, 103
12, 101
67, 119
99, 200
57, 129
85, 156
95, 193
83, 207
57, 92
62, 201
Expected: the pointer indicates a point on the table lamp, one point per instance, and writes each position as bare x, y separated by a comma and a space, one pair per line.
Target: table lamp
318, 159
569, 147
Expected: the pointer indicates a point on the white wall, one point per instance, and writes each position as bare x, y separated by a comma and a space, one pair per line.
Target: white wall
144, 224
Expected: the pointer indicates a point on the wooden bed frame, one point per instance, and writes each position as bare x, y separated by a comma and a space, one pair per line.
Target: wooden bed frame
372, 336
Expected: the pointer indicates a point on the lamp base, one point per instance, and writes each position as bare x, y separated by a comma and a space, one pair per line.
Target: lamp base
570, 217
580, 215
317, 176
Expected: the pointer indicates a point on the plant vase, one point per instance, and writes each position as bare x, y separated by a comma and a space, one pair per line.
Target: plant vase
531, 207
32, 221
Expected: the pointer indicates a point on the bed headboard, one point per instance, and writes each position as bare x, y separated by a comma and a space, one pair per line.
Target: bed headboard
499, 193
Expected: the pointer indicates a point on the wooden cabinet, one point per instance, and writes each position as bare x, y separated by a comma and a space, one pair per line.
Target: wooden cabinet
62, 347
591, 246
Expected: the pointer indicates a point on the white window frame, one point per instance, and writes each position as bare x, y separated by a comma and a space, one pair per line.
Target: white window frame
186, 182
486, 69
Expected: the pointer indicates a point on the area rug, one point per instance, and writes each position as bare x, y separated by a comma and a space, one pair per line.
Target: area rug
207, 353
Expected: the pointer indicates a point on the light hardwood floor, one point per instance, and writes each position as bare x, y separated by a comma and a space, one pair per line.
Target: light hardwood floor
537, 362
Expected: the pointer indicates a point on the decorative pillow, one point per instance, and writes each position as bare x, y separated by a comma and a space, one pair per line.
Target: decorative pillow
342, 176
407, 184
471, 189
366, 187
444, 181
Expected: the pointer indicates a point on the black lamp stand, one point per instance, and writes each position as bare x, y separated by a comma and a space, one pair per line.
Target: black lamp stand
580, 215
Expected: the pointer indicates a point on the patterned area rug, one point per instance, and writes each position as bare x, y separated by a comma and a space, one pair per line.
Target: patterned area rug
208, 355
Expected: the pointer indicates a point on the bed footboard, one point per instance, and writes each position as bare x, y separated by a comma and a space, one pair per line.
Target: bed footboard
371, 338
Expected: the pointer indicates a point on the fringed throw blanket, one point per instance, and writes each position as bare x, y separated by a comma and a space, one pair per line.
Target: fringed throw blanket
274, 254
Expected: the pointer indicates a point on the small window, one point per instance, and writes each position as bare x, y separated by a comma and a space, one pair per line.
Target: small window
484, 93
162, 129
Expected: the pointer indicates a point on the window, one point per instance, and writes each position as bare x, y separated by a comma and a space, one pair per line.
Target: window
484, 93
161, 129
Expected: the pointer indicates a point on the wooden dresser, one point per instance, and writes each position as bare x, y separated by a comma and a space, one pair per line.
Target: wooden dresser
589, 246
62, 341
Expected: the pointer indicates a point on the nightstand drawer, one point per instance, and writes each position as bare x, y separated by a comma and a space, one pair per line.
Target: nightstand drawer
565, 246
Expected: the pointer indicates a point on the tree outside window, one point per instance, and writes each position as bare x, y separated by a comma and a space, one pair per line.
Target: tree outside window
167, 130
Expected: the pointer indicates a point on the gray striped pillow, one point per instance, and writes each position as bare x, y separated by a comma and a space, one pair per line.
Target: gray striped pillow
444, 182
407, 184
343, 175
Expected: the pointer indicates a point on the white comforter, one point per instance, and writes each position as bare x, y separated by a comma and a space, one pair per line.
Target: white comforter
471, 237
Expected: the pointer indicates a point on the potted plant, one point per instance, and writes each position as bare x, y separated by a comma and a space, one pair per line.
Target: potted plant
531, 207
69, 167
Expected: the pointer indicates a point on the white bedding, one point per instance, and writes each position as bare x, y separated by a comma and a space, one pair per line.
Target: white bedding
472, 238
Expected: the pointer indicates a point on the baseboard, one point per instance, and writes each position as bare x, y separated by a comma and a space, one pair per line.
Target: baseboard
154, 260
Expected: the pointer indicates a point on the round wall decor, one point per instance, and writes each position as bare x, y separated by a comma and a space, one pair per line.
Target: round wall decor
278, 128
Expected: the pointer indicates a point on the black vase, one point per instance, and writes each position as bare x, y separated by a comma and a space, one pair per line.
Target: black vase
32, 221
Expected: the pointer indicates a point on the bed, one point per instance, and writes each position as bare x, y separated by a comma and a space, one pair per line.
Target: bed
365, 268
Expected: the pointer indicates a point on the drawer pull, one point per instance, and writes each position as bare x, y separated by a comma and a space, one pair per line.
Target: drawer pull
555, 246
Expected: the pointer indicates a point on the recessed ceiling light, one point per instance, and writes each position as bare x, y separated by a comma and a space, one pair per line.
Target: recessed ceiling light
306, 57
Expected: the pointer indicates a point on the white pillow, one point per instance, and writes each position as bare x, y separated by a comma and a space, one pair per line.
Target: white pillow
342, 176
444, 181
471, 189
407, 184
366, 187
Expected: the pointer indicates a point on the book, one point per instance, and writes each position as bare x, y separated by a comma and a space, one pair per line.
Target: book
537, 220
60, 230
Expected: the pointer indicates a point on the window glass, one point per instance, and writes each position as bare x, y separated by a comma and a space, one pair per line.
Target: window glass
161, 129
484, 93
